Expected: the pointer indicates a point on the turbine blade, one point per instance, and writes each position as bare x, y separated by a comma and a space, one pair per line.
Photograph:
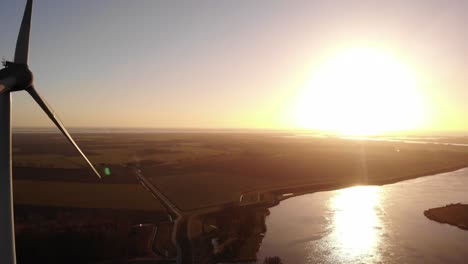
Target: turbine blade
22, 44
48, 110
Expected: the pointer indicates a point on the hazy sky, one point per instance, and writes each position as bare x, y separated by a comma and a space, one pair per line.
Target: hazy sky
147, 63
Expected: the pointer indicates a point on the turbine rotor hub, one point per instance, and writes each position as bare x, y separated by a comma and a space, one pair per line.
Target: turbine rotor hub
16, 76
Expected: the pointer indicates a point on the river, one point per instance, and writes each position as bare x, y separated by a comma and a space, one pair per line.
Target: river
370, 224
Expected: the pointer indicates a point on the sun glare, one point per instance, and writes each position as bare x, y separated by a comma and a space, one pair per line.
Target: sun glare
361, 91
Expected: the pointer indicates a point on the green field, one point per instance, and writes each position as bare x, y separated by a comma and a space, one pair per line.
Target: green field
84, 195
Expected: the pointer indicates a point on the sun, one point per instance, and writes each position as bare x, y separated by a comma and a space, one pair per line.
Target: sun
361, 91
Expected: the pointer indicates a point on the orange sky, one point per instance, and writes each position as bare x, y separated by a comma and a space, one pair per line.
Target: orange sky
235, 65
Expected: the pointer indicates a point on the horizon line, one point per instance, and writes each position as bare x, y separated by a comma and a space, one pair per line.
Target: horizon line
51, 129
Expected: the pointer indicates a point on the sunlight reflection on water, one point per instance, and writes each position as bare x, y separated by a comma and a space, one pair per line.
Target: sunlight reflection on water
356, 222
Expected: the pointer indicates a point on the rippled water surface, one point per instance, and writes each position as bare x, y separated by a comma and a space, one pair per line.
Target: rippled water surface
370, 224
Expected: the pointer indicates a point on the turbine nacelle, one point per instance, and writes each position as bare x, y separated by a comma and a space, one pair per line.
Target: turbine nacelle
15, 77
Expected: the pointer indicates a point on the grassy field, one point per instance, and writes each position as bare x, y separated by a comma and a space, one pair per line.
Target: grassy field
84, 195
199, 169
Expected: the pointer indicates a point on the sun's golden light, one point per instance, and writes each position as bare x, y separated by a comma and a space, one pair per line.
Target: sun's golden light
361, 91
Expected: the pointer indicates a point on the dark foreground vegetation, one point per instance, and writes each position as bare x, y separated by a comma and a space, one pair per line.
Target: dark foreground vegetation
46, 234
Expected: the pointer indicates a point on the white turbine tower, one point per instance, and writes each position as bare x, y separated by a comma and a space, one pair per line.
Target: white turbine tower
16, 76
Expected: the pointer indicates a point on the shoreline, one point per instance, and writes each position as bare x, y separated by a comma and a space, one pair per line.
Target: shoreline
432, 173
324, 187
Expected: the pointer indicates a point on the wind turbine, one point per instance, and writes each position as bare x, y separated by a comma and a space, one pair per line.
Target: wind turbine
16, 76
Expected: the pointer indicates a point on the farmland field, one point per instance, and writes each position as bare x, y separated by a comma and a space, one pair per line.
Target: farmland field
196, 169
